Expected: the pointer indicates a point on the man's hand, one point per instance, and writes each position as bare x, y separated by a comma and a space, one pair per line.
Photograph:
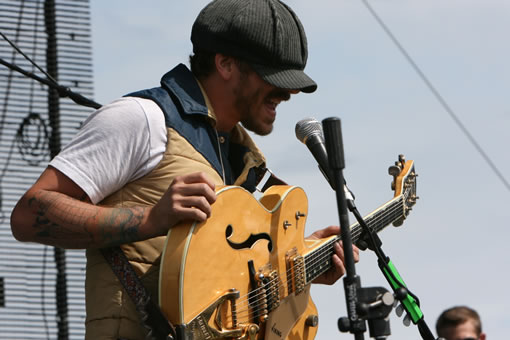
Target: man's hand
188, 198
338, 268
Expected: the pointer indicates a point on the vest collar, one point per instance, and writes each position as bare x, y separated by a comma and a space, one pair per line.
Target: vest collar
182, 84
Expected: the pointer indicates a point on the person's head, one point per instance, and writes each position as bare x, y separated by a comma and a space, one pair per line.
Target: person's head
460, 323
266, 43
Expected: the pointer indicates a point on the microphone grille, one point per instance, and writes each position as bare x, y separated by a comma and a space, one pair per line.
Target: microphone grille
308, 127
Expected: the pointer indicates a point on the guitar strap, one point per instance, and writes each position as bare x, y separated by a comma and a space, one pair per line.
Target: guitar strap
150, 314
266, 179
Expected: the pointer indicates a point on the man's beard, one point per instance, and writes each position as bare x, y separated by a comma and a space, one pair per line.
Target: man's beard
249, 118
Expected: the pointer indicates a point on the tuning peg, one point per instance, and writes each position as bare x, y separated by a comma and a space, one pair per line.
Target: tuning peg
394, 170
399, 222
402, 159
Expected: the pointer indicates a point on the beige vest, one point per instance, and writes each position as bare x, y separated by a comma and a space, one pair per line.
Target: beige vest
110, 311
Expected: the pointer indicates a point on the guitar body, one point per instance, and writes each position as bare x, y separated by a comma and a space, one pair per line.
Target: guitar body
246, 272
205, 278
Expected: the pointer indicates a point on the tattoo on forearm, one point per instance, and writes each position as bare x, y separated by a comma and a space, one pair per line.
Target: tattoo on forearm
121, 226
59, 219
62, 219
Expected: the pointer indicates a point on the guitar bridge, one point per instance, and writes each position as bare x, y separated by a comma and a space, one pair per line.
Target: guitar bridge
265, 293
269, 286
203, 328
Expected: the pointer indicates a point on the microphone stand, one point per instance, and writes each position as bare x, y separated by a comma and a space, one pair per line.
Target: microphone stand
352, 283
409, 301
372, 304
62, 90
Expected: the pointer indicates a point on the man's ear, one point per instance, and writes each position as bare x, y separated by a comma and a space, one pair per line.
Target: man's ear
224, 65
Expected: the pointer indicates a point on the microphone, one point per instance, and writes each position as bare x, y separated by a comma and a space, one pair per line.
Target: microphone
309, 132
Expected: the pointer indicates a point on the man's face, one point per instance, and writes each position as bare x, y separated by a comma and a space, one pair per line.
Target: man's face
463, 331
256, 102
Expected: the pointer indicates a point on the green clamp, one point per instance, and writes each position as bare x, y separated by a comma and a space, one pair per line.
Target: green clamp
410, 304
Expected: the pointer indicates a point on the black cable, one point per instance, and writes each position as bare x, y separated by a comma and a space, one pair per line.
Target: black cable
2, 174
27, 57
4, 109
44, 151
32, 138
26, 147
62, 90
440, 98
54, 145
23, 139
9, 77
38, 147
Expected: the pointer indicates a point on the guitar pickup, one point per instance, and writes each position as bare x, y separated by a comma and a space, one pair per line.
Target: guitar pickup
295, 271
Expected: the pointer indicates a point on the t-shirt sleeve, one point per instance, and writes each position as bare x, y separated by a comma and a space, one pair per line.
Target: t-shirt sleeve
117, 144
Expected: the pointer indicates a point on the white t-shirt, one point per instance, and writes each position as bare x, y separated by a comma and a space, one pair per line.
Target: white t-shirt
117, 144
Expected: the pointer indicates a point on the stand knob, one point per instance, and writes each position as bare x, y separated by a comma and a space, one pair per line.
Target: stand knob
344, 325
312, 320
401, 293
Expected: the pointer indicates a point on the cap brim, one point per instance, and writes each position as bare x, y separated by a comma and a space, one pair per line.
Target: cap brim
290, 79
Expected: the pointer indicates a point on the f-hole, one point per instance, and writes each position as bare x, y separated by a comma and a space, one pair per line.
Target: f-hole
249, 242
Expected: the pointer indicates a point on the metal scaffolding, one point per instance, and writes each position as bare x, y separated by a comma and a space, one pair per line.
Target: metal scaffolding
41, 288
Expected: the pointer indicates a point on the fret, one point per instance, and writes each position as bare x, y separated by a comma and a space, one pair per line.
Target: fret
319, 261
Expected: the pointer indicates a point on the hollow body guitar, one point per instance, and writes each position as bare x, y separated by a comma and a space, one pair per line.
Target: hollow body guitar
246, 272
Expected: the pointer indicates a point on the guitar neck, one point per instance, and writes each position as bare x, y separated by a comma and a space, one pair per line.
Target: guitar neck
318, 260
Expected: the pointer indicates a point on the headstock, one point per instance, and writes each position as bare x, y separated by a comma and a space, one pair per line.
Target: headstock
404, 183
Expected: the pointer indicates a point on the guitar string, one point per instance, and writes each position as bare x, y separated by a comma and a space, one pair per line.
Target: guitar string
318, 257
322, 253
394, 212
325, 251
258, 307
356, 231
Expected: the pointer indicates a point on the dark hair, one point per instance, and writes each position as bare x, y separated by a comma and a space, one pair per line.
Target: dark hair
458, 315
202, 64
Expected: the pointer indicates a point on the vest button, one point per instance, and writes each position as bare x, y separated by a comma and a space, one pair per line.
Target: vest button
222, 139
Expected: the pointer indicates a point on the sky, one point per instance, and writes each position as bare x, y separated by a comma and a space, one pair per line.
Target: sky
452, 248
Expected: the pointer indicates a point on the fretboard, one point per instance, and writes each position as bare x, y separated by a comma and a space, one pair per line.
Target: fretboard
318, 261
